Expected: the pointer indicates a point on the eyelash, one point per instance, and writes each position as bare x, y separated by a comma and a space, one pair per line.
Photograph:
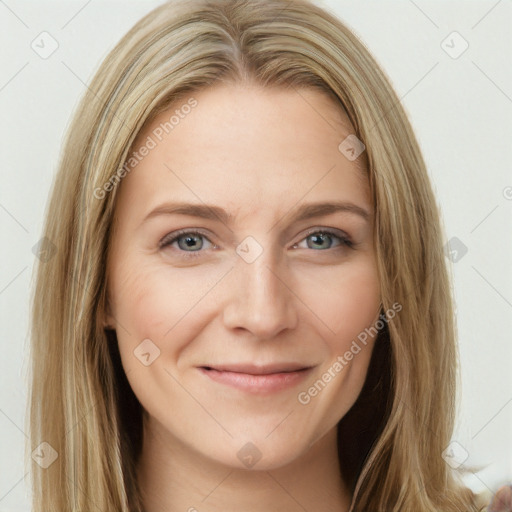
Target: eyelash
169, 239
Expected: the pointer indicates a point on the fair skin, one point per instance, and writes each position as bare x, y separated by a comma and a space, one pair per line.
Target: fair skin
212, 442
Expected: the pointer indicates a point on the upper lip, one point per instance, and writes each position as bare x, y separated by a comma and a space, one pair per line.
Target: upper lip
253, 369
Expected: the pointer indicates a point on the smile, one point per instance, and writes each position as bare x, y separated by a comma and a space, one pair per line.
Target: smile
254, 379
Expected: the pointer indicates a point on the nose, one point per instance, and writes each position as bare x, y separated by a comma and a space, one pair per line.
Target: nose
260, 300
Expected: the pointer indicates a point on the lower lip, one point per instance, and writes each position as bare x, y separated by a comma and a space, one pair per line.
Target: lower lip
270, 383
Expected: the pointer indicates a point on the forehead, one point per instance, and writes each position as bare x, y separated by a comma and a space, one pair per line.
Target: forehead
248, 148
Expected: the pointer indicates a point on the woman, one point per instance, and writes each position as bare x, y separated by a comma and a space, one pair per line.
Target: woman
259, 370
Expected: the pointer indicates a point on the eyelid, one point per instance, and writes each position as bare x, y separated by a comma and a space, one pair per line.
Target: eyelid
330, 231
171, 237
344, 237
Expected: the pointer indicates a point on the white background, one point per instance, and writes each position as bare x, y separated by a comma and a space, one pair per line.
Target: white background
460, 109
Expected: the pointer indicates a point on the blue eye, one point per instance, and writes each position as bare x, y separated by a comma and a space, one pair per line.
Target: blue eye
191, 242
320, 235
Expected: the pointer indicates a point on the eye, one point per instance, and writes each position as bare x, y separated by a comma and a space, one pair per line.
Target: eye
319, 237
191, 242
186, 240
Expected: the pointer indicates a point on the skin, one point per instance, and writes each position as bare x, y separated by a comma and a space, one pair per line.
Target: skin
502, 500
259, 153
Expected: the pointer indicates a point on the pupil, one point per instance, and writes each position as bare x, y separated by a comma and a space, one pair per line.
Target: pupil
318, 239
190, 241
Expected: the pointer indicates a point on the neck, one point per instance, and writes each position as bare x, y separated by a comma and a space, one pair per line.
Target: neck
174, 477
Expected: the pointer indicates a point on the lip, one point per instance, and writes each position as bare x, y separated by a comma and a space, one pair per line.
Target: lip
258, 379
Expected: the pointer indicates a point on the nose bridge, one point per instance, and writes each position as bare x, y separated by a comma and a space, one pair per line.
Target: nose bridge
259, 299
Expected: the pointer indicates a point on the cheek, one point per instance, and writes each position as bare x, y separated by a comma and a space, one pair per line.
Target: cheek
138, 303
348, 308
157, 302
150, 305
345, 301
350, 315
154, 302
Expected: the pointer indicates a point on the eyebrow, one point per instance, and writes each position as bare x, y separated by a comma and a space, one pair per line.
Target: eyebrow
212, 212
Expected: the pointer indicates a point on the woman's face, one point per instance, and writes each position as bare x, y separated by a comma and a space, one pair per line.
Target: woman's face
237, 336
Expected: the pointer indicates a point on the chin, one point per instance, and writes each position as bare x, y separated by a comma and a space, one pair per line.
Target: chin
258, 455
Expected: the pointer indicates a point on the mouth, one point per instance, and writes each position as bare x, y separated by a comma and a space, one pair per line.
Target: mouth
257, 379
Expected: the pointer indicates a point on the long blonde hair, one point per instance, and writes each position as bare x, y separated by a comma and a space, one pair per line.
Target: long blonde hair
80, 401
